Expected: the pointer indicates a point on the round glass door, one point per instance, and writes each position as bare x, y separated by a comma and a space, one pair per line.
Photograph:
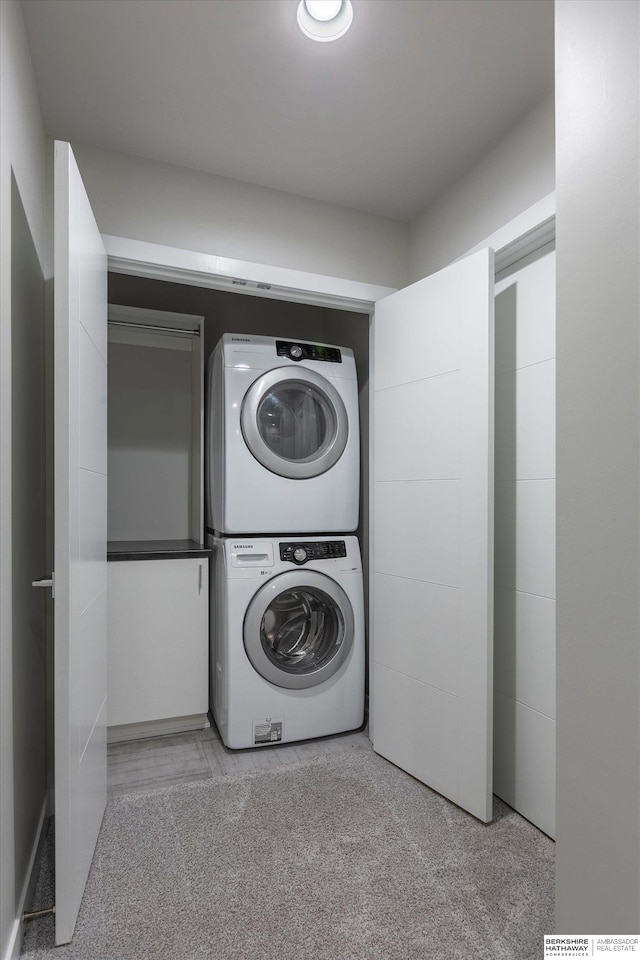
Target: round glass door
298, 629
295, 426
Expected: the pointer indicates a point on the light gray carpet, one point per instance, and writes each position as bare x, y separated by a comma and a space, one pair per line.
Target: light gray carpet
337, 858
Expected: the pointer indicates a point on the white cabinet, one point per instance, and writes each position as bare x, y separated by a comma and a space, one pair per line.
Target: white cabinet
158, 614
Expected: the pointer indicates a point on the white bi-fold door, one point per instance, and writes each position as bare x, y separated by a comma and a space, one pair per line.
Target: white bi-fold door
80, 531
432, 544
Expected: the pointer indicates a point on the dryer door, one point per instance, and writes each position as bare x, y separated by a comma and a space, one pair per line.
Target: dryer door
294, 422
299, 629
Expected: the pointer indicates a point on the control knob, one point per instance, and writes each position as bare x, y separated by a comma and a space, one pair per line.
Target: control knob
295, 352
299, 554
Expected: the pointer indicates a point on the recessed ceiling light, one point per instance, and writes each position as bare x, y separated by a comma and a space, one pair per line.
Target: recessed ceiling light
325, 20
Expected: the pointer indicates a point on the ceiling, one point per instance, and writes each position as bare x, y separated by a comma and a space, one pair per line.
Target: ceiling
381, 120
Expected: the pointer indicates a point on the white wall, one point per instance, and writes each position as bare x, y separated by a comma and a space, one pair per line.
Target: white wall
22, 154
517, 173
598, 560
525, 499
159, 202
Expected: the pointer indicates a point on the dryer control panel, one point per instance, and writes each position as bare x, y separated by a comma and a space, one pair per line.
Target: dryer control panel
307, 351
300, 553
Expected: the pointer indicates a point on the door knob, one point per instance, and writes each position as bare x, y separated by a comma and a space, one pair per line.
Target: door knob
46, 583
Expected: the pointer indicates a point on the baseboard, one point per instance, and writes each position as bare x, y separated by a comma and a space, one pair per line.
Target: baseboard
17, 931
156, 728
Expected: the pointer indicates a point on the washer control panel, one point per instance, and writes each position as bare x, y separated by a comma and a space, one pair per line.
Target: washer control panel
302, 552
307, 351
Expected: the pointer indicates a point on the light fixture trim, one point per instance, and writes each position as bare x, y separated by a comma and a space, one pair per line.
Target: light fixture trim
325, 30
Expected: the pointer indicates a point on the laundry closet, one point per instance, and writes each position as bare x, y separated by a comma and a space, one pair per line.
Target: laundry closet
161, 335
524, 718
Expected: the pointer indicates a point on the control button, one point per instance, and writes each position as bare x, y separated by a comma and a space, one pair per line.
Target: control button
295, 352
300, 555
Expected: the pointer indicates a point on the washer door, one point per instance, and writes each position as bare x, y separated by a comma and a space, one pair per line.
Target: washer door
294, 423
298, 629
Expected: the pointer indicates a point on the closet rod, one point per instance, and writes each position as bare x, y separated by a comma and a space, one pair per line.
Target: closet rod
156, 328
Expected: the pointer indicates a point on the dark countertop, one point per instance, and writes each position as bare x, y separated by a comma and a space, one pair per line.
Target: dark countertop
155, 549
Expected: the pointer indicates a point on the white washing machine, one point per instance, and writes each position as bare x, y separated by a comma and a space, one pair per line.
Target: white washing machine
287, 639
283, 451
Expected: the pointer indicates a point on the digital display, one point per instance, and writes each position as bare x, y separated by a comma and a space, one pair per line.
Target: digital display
308, 351
325, 550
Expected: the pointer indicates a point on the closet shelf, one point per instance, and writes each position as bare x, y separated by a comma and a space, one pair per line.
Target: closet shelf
155, 549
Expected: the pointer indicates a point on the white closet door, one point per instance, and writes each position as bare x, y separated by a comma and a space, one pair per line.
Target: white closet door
432, 579
80, 424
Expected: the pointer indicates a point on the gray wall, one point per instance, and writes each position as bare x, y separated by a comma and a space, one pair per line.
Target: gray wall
22, 159
598, 463
162, 203
517, 173
222, 311
149, 443
29, 653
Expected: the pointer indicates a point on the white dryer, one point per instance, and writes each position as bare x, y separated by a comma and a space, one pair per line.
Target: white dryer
287, 639
283, 437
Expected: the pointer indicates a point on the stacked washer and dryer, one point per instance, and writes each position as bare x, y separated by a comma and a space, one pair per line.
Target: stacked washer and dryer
287, 618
